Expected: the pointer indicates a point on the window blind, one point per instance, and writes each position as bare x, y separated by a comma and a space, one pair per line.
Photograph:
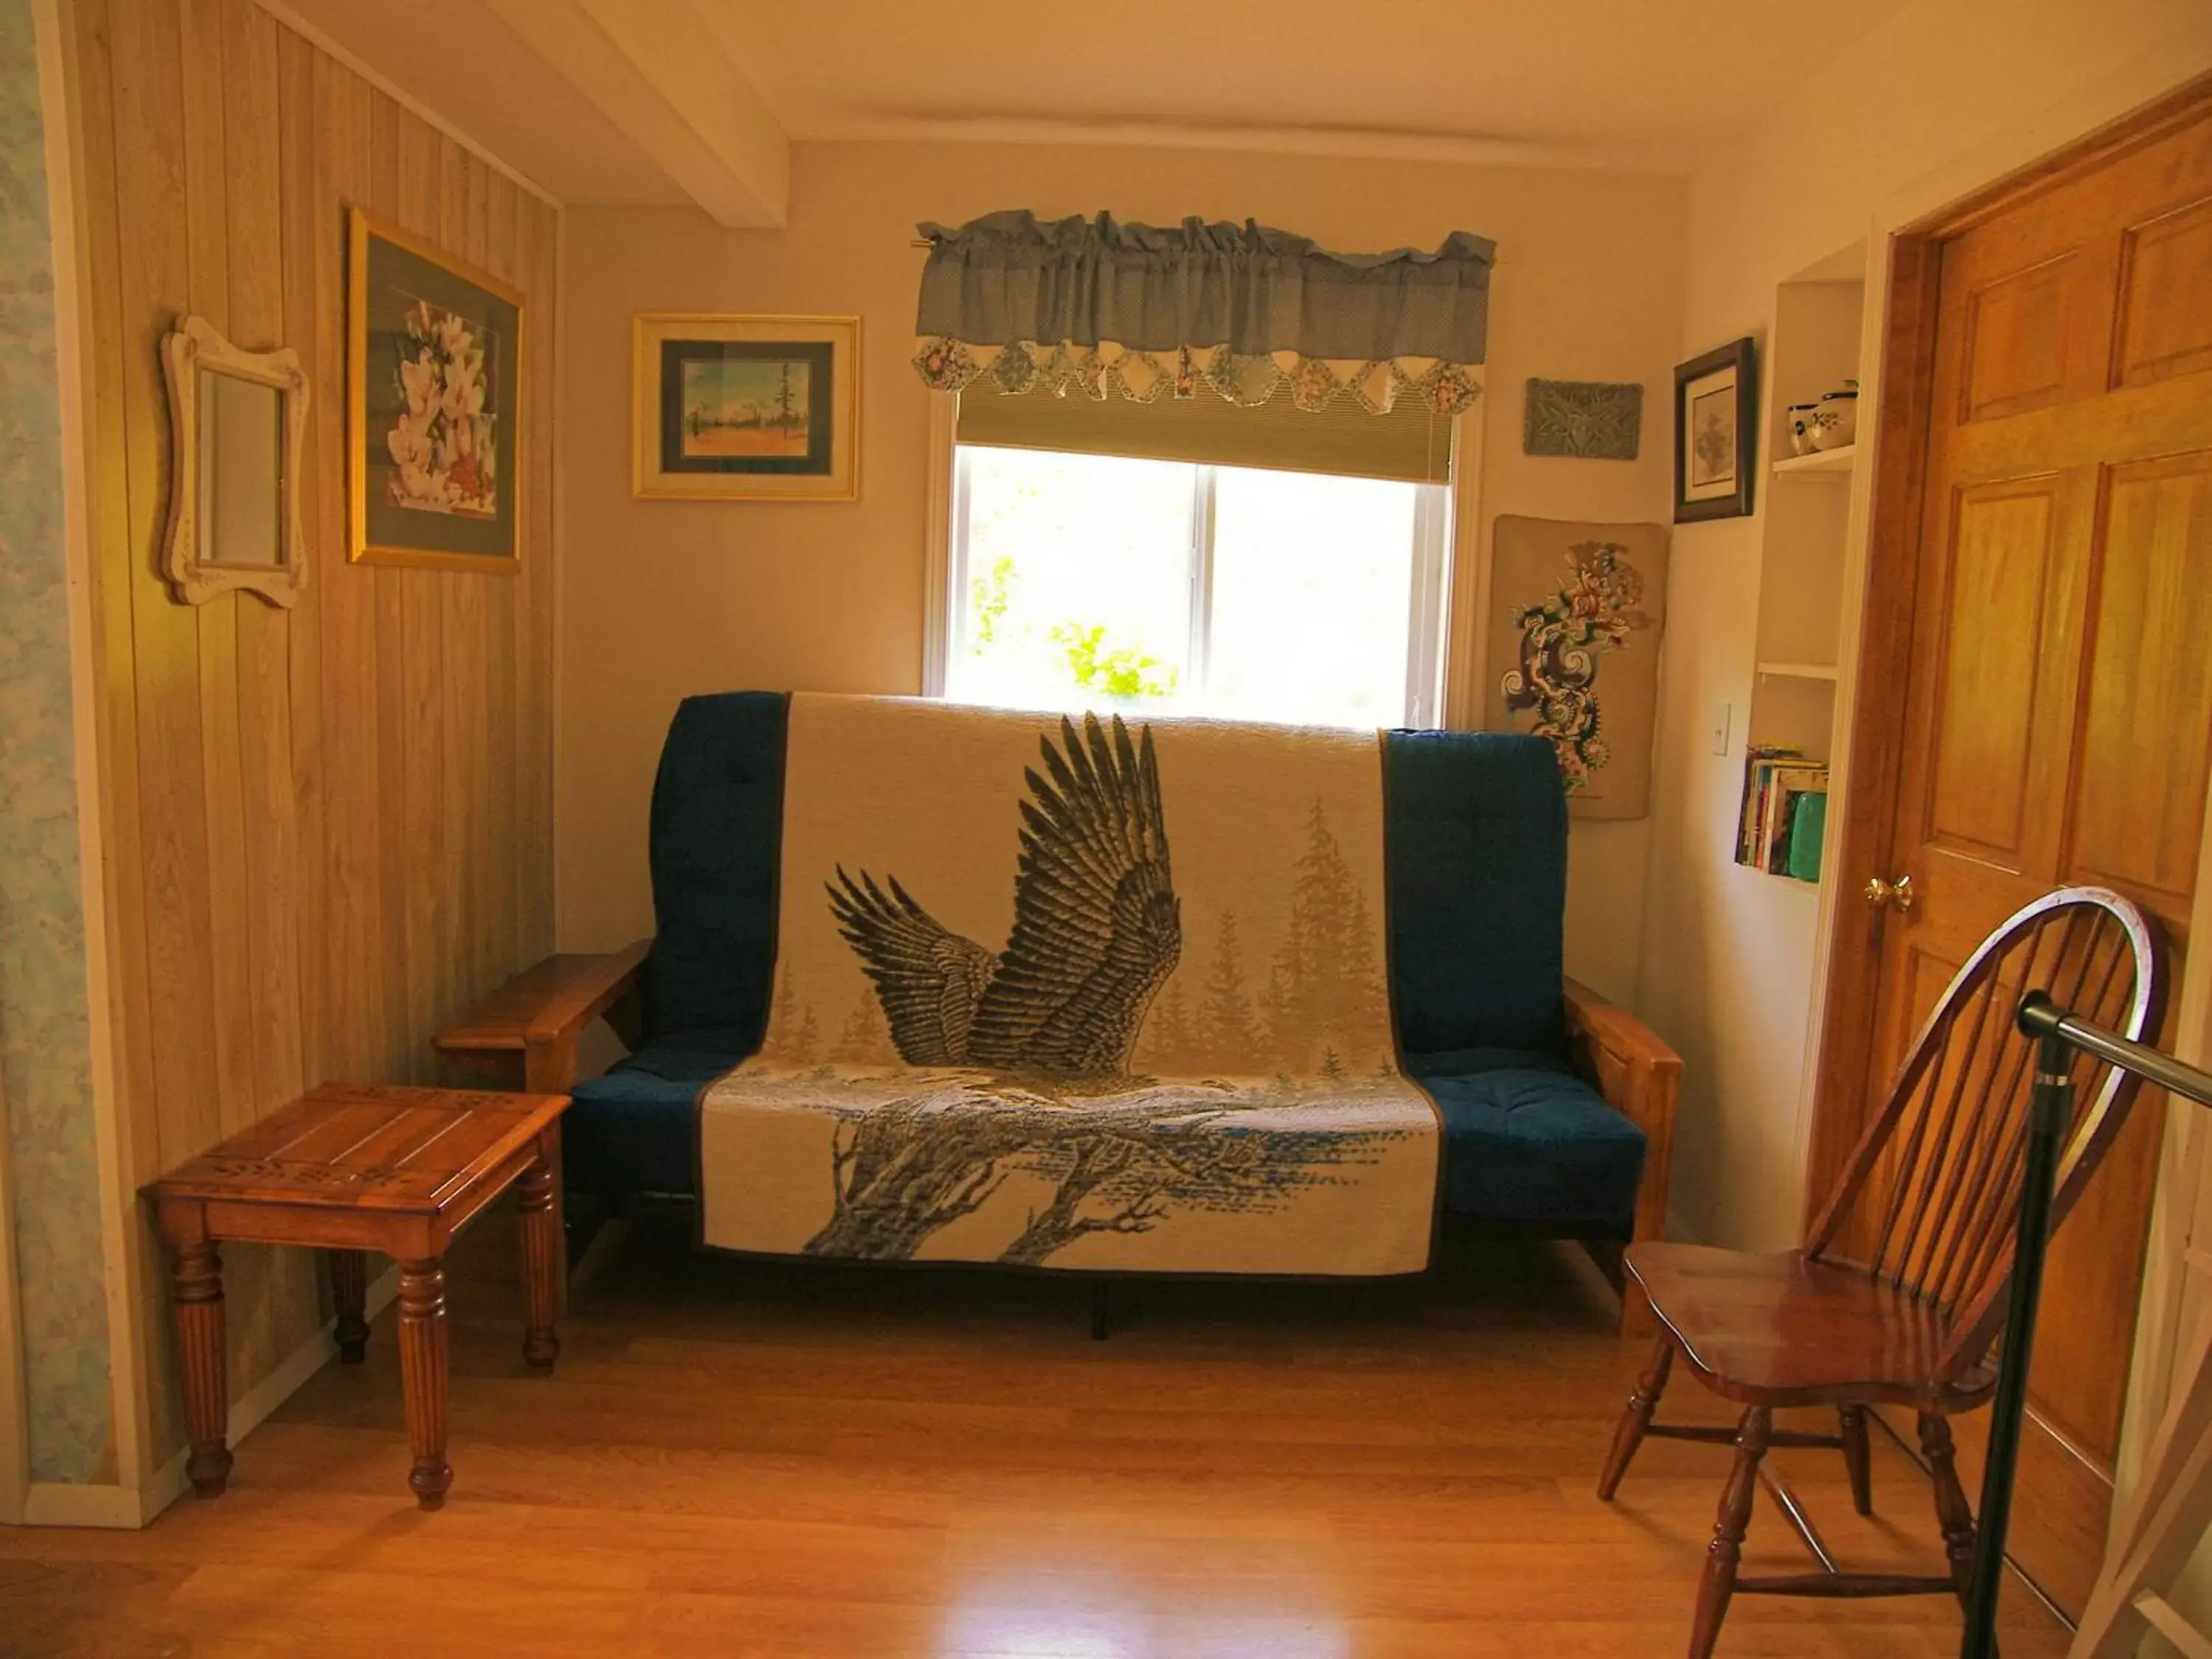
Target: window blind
1409, 444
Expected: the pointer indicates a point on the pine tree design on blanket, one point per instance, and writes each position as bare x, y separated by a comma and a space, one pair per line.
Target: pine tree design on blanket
1046, 1103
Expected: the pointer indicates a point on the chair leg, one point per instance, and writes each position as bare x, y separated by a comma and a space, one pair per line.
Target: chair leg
1952, 1512
1636, 1419
1857, 1457
1718, 1584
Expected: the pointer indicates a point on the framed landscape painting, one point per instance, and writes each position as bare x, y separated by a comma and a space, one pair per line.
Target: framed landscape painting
434, 402
731, 407
1716, 434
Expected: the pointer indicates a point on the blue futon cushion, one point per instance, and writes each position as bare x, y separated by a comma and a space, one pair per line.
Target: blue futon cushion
1528, 1141
635, 1129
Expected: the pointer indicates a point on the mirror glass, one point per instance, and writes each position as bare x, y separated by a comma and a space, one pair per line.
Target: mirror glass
242, 444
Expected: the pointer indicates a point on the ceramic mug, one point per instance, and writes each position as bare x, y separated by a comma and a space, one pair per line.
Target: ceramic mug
1800, 420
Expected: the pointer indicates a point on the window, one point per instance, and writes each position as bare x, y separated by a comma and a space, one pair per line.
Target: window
1191, 587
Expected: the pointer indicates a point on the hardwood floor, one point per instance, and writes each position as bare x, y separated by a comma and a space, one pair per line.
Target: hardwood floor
738, 1459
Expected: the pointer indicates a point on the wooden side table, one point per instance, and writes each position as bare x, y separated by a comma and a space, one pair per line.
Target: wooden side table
350, 1168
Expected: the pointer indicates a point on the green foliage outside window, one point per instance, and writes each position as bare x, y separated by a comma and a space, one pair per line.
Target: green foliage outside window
1126, 672
992, 593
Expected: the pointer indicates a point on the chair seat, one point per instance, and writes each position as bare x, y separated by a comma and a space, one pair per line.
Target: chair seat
1528, 1141
1781, 1330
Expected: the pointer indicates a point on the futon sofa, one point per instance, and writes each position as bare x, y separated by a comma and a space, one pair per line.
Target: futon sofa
1557, 1106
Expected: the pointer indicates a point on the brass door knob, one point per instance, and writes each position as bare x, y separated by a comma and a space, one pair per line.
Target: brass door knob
1896, 894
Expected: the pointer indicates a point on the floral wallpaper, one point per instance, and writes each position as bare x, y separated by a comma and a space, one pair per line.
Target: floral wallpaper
45, 1088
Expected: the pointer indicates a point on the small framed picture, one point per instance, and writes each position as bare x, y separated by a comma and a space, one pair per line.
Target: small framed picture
759, 409
1716, 434
433, 405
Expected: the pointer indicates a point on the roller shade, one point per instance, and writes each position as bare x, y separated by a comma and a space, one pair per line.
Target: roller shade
1409, 444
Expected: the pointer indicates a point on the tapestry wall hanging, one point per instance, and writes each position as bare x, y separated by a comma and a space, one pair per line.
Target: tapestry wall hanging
433, 401
1111, 996
1587, 420
759, 408
1578, 610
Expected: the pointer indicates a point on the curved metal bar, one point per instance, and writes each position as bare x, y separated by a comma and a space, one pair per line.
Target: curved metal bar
2038, 1016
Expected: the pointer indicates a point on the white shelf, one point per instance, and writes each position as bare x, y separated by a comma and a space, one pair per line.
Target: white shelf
1798, 671
1783, 875
1820, 461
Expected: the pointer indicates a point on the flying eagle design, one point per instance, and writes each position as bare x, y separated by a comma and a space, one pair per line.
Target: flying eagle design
1098, 927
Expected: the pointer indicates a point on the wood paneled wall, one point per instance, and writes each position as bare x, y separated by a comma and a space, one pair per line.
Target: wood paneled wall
326, 827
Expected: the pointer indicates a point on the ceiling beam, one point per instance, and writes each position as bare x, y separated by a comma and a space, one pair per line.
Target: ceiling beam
654, 70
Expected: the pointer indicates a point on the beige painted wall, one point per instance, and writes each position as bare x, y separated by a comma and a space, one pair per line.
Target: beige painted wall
661, 599
1949, 94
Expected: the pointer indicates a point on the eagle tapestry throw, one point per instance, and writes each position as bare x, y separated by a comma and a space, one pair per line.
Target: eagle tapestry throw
1075, 993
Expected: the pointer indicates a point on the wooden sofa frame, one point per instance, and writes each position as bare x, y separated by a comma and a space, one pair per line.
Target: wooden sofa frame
525, 1036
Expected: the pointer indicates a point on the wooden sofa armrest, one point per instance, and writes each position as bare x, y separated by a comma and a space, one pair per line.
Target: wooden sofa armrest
1641, 1078
539, 1014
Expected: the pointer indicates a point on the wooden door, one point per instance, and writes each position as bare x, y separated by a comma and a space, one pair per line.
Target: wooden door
2058, 699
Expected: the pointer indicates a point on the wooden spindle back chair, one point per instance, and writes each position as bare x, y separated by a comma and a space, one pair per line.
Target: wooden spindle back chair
1930, 1195
1898, 1293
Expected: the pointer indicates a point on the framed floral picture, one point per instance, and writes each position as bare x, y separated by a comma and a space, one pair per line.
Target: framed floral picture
433, 401
1716, 434
746, 408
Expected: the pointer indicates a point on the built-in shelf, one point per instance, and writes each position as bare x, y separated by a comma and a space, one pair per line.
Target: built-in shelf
1811, 348
1820, 461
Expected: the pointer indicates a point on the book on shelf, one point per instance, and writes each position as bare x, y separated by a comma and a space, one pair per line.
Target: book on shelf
1784, 811
1808, 826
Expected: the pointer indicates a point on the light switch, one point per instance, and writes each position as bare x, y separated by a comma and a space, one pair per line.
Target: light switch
1722, 711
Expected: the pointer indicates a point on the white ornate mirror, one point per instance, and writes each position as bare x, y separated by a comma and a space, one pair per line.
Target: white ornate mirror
239, 419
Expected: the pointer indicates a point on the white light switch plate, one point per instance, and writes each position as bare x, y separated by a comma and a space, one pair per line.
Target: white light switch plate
1722, 713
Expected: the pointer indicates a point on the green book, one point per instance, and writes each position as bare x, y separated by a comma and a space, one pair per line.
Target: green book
1806, 825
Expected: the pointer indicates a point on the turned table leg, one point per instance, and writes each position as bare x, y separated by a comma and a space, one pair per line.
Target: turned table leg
545, 1262
196, 1270
349, 1290
423, 1376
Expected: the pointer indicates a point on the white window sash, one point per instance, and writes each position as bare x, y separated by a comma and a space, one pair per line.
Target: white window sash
1200, 650
1427, 624
1426, 628
958, 576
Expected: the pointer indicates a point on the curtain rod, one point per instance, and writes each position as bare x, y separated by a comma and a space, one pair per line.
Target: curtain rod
924, 241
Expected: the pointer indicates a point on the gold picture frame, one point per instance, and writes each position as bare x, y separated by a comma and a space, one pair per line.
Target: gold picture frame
437, 384
728, 407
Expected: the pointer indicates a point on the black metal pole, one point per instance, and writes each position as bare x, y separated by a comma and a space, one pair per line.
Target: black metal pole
2050, 1108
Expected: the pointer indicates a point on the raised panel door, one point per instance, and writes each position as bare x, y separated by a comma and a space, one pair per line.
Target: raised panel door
2058, 704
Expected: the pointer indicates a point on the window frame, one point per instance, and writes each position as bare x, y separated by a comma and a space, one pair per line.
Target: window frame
1428, 627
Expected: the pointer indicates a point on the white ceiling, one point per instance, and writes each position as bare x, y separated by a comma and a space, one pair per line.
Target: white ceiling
668, 100
1642, 82
484, 82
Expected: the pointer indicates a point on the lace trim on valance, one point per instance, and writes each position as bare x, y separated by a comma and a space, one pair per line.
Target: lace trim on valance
1244, 378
